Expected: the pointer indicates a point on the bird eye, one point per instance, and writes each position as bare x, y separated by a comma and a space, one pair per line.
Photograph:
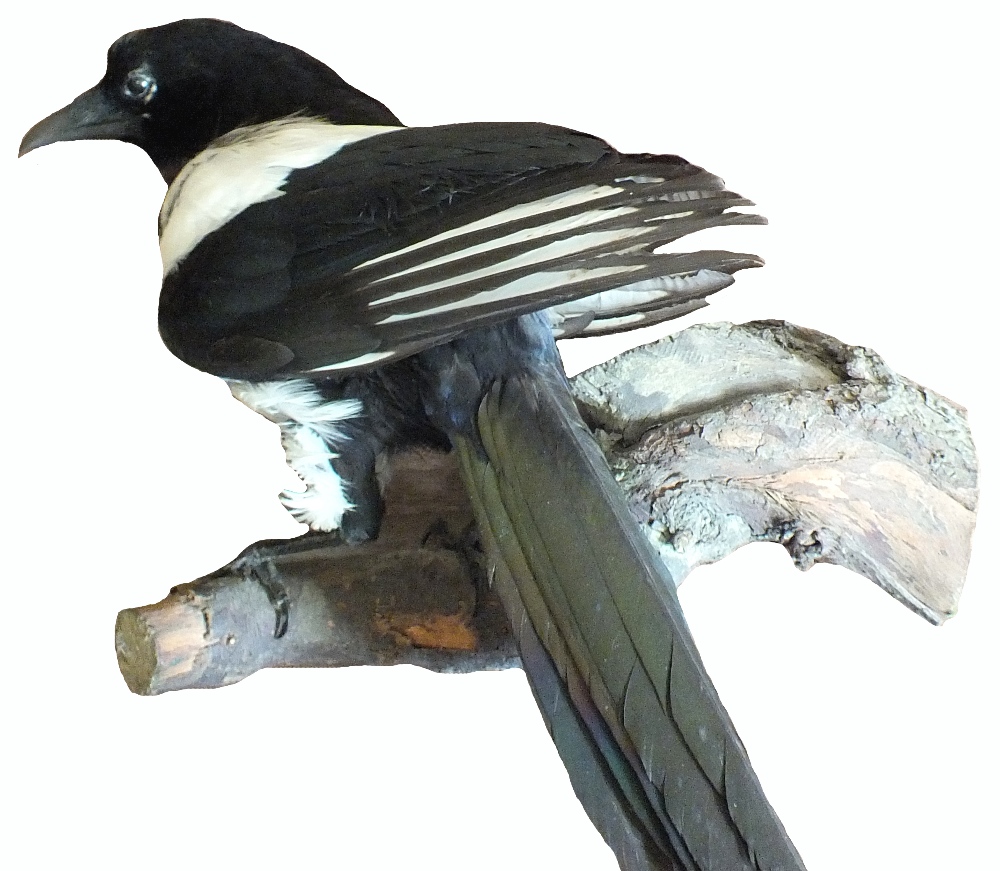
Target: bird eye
139, 86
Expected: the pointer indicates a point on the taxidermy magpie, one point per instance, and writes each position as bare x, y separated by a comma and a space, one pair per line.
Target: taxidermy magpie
368, 287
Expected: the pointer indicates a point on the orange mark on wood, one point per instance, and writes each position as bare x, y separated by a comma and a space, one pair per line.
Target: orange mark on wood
439, 631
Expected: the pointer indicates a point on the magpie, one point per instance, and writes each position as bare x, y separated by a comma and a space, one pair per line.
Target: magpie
369, 287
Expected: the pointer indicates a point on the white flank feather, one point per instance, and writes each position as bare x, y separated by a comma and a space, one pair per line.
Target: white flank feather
295, 402
322, 504
308, 423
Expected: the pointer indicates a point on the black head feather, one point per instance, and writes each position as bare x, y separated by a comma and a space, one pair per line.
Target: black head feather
172, 89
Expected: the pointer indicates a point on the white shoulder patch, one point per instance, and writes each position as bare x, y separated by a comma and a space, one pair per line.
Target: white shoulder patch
246, 166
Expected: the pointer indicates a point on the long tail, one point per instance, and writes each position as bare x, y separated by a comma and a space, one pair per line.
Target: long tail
650, 749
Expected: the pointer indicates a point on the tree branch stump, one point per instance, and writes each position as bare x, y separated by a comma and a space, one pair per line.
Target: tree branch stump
720, 436
417, 595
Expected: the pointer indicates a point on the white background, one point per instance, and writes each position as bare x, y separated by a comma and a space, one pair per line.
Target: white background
862, 131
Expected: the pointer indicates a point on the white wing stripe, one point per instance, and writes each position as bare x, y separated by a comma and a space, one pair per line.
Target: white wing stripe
528, 285
536, 257
575, 197
641, 179
363, 360
669, 217
572, 222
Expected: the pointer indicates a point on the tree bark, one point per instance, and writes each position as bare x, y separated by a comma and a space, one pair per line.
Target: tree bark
725, 435
417, 595
720, 436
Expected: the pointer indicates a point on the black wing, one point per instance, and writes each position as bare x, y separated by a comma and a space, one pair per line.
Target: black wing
400, 241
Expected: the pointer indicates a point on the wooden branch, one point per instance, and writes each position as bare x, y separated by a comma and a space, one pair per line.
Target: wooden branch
416, 596
725, 435
720, 436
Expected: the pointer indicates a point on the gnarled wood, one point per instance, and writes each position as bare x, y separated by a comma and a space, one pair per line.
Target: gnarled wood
725, 435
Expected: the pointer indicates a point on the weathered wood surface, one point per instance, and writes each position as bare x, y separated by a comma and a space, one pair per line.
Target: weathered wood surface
721, 436
727, 435
417, 595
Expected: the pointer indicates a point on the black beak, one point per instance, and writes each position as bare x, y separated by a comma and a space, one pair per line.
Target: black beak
90, 116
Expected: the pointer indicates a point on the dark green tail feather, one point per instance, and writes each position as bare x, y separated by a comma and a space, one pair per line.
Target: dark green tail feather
603, 778
606, 611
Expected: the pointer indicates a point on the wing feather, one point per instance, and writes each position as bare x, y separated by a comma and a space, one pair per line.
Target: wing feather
395, 241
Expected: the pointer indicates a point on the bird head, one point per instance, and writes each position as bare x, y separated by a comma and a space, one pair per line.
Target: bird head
172, 89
